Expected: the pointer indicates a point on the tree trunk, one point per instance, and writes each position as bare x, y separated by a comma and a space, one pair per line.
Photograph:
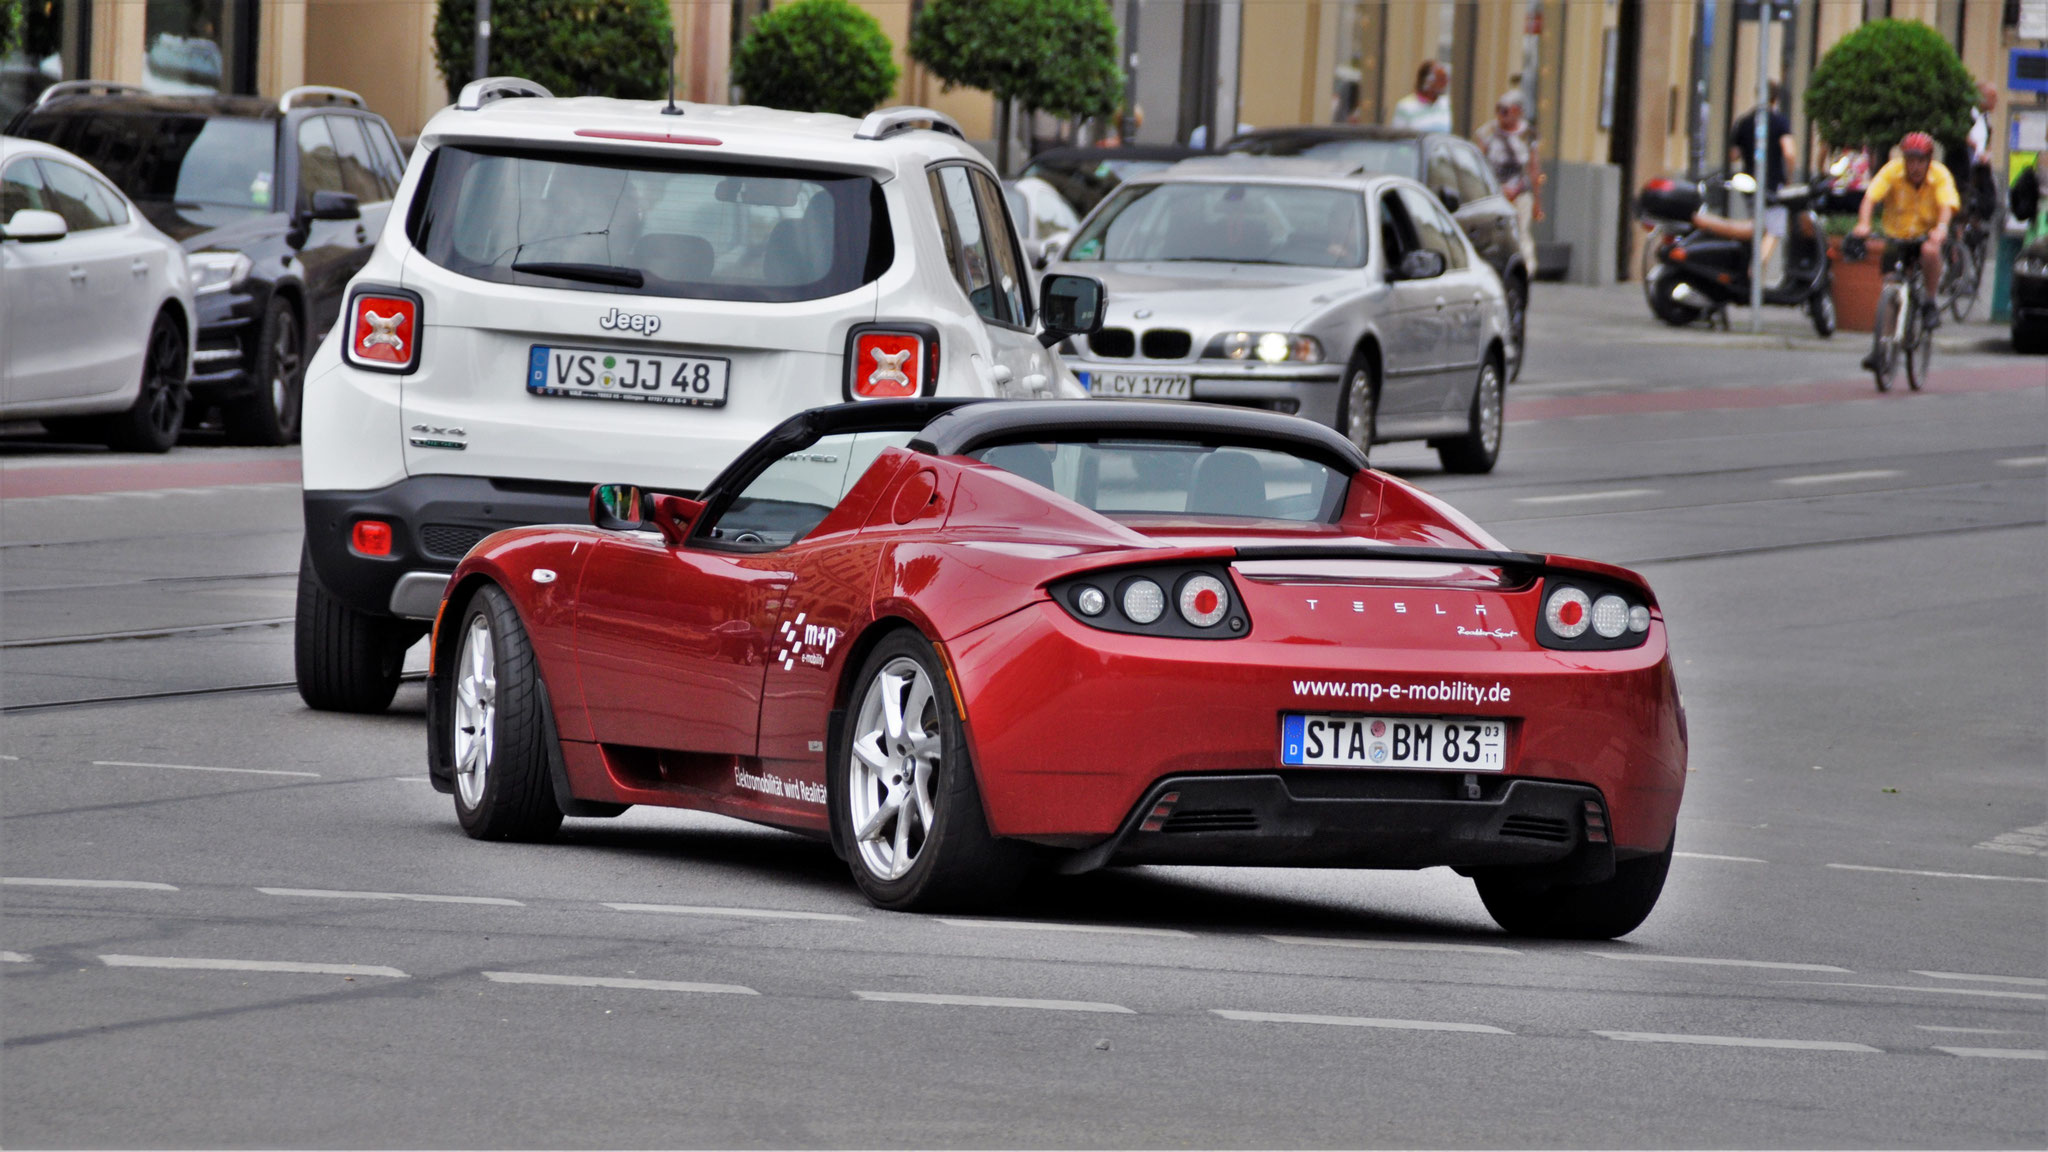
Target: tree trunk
1003, 137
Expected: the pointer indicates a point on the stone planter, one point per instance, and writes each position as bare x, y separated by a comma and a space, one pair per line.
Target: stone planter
1856, 285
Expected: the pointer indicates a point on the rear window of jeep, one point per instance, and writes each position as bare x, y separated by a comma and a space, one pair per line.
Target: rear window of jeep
697, 231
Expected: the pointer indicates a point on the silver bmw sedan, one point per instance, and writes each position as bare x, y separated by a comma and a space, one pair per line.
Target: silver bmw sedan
1299, 286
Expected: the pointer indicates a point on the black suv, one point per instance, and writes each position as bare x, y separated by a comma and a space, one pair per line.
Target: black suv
1448, 165
277, 203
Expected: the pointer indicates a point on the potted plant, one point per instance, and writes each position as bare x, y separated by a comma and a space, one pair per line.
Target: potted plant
1885, 79
816, 56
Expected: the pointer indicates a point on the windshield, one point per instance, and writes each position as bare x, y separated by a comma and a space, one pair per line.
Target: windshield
1393, 157
697, 231
219, 161
1238, 223
1138, 478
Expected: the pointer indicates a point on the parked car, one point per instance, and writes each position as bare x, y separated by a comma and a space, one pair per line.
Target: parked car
2030, 298
573, 290
278, 204
1083, 176
96, 308
1301, 286
1450, 166
960, 639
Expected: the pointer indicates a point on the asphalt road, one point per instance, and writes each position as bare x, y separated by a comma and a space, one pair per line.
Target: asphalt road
229, 921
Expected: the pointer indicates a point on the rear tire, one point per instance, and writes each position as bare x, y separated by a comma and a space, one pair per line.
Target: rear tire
1660, 288
345, 660
152, 425
1820, 308
498, 728
1603, 911
270, 414
1884, 350
1479, 448
905, 800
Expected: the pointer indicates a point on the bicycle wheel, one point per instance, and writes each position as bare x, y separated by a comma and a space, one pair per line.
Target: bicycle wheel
1960, 285
1884, 350
1917, 349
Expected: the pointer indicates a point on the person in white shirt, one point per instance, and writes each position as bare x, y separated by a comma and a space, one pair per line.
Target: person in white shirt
1428, 108
1980, 184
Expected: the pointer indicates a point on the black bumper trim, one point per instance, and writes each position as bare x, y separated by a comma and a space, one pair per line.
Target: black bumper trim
1362, 819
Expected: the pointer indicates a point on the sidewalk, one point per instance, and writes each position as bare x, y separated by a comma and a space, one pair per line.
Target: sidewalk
1619, 313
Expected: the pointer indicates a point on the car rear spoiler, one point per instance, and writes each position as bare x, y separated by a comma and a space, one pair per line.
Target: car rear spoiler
1514, 565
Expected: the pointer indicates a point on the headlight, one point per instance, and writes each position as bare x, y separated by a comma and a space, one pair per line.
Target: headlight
1271, 347
216, 271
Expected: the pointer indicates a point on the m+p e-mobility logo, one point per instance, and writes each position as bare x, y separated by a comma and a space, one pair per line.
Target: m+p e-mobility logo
808, 643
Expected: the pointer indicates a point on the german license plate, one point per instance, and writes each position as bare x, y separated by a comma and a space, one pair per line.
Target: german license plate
618, 374
1138, 385
1466, 745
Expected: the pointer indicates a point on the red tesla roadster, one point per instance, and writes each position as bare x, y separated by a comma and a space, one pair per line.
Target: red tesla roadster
963, 639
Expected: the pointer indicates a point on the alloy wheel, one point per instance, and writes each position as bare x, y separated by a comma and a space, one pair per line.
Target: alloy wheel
476, 710
1491, 416
1358, 407
284, 374
896, 752
162, 386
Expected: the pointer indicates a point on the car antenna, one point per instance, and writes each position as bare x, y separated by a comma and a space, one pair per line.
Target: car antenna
671, 109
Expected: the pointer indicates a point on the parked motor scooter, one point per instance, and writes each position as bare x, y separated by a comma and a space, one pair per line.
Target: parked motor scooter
1702, 263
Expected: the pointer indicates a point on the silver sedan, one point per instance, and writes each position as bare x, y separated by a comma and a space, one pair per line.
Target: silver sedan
1298, 286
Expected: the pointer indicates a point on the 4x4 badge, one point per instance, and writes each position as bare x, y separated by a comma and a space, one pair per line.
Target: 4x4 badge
618, 321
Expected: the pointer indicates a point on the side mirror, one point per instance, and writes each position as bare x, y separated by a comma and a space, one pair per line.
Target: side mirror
1449, 198
1069, 306
615, 507
329, 205
1421, 264
33, 226
675, 516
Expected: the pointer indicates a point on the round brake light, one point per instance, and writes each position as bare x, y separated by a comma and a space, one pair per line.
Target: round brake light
1610, 616
1144, 601
1203, 600
1568, 612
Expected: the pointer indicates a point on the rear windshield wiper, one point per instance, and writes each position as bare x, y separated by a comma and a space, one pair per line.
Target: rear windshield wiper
589, 273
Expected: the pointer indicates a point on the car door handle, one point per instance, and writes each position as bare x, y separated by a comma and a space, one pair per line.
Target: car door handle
1439, 303
1000, 373
78, 275
361, 236
1035, 382
140, 267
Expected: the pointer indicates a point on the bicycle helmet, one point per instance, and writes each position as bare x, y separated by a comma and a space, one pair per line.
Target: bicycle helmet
1917, 144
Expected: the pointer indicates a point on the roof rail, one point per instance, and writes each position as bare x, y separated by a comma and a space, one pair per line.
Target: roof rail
478, 93
307, 93
64, 88
886, 122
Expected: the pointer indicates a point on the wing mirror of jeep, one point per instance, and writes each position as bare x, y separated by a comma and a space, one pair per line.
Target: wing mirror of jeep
1069, 306
331, 205
33, 225
616, 507
1421, 264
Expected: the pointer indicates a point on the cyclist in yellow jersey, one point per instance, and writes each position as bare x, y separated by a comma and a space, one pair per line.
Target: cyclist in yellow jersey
1919, 198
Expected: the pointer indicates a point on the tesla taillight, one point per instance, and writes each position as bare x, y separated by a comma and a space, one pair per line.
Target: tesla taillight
891, 360
1589, 614
1203, 599
384, 328
1185, 602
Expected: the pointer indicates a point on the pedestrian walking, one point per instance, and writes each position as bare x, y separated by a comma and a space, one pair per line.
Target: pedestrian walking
1779, 159
1509, 143
1428, 108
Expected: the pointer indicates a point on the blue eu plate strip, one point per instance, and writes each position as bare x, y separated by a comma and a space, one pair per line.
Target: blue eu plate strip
1290, 738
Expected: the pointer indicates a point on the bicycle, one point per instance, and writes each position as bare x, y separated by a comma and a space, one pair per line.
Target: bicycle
1900, 331
1963, 256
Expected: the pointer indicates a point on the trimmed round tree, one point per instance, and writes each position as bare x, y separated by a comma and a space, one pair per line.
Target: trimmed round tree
816, 56
1888, 78
573, 47
1057, 56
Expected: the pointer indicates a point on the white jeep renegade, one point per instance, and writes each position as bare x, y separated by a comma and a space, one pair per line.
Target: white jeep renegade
573, 292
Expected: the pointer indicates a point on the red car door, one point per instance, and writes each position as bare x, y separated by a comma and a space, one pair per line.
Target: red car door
673, 643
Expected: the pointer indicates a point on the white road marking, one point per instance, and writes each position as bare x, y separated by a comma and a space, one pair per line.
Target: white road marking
1578, 497
1050, 926
423, 898
1738, 1041
1839, 477
116, 961
200, 768
1992, 992
1998, 1053
617, 982
2035, 981
991, 1002
1359, 1022
16, 958
1393, 945
1941, 875
1779, 964
48, 882
1712, 856
2024, 461
1971, 1031
755, 913
2020, 841
10, 757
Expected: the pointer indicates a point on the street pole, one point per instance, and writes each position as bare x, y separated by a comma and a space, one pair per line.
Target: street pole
1758, 165
1127, 128
483, 39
